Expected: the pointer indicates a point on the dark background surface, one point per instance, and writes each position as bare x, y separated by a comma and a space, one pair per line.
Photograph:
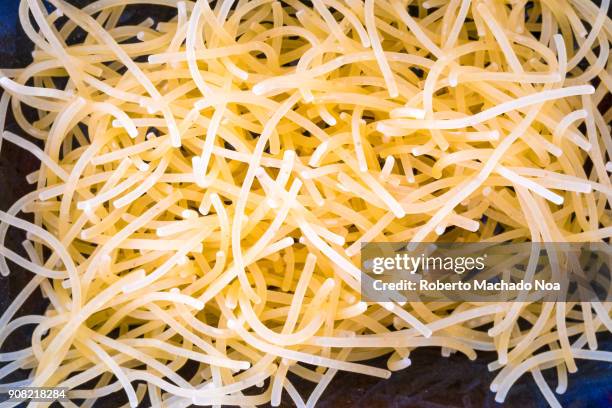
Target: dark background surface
431, 382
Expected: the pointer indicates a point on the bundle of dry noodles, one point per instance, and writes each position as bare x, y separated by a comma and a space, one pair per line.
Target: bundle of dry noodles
206, 184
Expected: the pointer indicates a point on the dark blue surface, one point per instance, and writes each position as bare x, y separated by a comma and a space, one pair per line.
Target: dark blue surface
8, 11
9, 28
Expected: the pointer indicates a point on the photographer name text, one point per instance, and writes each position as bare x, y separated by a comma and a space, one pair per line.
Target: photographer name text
436, 285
